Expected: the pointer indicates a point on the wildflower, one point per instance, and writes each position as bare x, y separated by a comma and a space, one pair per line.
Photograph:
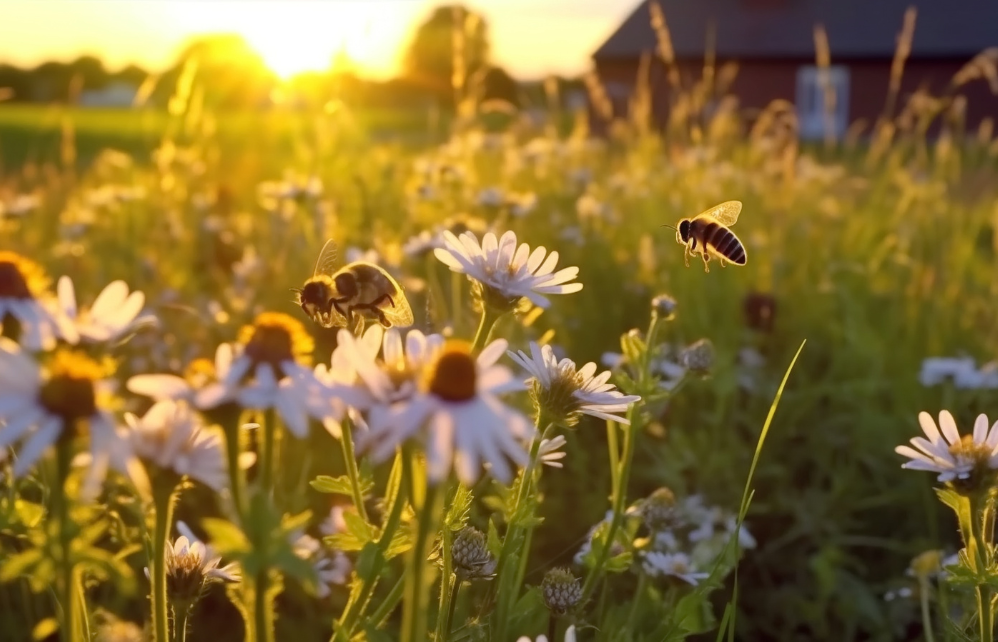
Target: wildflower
698, 357
561, 590
41, 406
170, 436
956, 458
200, 386
335, 523
962, 371
664, 307
331, 567
658, 510
24, 303
550, 453
112, 315
267, 370
191, 567
563, 393
372, 383
678, 565
491, 197
505, 273
456, 403
470, 555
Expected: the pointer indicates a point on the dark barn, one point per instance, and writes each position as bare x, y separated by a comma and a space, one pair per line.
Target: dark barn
773, 44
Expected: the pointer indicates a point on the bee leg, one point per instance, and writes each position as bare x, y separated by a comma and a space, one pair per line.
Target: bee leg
335, 303
706, 260
380, 301
686, 255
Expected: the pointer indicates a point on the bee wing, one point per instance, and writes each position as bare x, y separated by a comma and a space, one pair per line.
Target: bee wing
399, 314
726, 213
327, 259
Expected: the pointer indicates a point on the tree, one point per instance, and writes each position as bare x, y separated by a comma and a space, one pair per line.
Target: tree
430, 62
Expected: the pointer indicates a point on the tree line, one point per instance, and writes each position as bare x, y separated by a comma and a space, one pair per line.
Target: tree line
448, 56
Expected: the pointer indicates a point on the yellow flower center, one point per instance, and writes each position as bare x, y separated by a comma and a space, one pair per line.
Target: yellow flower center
69, 391
276, 337
453, 375
200, 372
966, 451
20, 278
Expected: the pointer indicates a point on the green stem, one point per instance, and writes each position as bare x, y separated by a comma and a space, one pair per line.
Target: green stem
163, 506
397, 497
635, 602
267, 448
350, 459
923, 596
505, 585
388, 604
485, 326
231, 428
418, 575
978, 516
448, 583
263, 611
619, 499
70, 626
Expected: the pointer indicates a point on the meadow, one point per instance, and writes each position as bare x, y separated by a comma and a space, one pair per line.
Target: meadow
879, 253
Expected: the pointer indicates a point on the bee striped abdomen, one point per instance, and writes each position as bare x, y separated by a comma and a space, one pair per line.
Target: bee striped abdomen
724, 242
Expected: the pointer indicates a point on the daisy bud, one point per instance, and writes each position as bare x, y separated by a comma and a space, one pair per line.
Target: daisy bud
664, 307
698, 357
561, 590
927, 564
470, 555
659, 510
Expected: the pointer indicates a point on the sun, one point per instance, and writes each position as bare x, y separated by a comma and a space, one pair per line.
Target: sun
294, 37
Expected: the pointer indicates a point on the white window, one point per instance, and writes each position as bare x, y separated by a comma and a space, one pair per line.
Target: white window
814, 86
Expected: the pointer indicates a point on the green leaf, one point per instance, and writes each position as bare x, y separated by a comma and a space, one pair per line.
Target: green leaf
619, 563
226, 537
457, 514
367, 560
340, 485
45, 628
494, 543
693, 614
19, 564
356, 526
29, 513
344, 542
632, 346
401, 542
529, 613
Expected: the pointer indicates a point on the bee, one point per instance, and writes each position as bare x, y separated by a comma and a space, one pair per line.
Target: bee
710, 229
355, 292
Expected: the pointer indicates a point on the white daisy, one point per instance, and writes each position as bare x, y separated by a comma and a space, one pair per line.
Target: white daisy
40, 406
335, 523
564, 392
679, 565
266, 372
113, 314
332, 567
457, 415
199, 386
550, 453
171, 436
25, 300
505, 271
954, 457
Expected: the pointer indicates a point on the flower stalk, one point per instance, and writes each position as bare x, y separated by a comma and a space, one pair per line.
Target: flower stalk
418, 575
163, 500
485, 327
350, 460
448, 586
71, 620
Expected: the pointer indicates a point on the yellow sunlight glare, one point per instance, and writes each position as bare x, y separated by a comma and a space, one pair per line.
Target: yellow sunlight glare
294, 37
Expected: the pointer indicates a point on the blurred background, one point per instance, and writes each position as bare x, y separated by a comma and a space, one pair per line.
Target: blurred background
858, 134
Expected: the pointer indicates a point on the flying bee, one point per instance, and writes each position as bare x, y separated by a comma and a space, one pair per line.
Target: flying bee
710, 229
355, 292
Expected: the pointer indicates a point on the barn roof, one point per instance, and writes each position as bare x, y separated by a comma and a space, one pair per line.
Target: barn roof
785, 28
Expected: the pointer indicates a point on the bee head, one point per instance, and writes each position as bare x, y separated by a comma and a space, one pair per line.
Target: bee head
346, 284
313, 294
684, 230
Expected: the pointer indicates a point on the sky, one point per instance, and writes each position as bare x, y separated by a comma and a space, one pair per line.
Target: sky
530, 38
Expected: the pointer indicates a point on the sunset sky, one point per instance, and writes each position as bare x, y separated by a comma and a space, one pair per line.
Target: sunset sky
530, 38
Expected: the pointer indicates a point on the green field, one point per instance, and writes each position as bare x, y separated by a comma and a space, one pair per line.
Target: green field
877, 256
